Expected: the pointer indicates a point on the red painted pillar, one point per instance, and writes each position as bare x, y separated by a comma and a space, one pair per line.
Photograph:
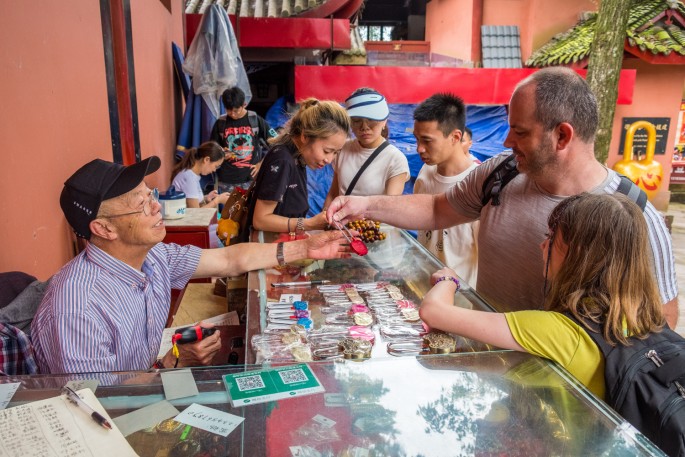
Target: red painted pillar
476, 22
121, 78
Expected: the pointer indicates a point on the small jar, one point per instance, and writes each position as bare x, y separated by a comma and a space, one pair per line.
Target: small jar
173, 204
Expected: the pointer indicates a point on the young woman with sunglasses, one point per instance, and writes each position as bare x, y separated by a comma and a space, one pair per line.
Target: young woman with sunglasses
389, 171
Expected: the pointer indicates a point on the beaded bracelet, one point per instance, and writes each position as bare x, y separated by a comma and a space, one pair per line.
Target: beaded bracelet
449, 278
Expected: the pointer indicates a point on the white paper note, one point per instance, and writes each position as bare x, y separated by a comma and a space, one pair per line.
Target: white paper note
145, 417
224, 319
324, 421
178, 384
7, 392
209, 419
55, 427
165, 345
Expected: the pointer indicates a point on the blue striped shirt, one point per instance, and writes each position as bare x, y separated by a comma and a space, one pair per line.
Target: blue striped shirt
99, 314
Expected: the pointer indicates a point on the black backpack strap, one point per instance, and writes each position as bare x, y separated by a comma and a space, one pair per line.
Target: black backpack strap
261, 147
252, 118
632, 191
378, 150
497, 179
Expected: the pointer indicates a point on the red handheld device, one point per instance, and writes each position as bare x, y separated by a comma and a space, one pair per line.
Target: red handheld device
191, 334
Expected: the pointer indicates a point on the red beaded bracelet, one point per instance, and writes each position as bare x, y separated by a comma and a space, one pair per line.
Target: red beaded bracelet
449, 278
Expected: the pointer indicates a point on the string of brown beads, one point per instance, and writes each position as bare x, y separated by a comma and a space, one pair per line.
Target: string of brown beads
369, 231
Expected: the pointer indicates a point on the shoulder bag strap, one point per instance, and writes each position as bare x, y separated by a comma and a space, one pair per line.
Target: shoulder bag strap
628, 188
378, 150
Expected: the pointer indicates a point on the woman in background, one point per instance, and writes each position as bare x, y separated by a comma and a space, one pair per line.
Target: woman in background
203, 160
389, 171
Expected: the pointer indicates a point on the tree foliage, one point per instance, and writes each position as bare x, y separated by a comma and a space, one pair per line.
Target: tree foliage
606, 58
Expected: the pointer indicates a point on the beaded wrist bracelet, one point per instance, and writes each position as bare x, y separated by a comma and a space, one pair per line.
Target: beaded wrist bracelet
449, 278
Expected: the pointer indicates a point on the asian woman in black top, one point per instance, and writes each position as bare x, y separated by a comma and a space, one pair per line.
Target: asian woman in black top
311, 138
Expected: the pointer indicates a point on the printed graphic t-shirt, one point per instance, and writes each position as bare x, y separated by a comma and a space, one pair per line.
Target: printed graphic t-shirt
240, 141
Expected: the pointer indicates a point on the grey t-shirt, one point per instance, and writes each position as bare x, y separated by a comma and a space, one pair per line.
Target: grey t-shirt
510, 267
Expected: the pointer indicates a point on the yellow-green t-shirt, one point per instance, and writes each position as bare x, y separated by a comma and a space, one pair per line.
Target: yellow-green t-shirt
556, 337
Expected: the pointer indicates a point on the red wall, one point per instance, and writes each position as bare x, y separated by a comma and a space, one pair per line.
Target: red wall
54, 115
448, 27
154, 29
538, 20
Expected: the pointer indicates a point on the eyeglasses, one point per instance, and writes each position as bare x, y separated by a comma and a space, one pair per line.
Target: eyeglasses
357, 122
152, 197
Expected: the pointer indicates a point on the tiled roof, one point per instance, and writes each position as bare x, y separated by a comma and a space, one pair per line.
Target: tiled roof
500, 46
654, 26
258, 8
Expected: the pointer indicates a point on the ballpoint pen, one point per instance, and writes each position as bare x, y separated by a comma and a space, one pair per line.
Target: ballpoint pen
75, 399
315, 282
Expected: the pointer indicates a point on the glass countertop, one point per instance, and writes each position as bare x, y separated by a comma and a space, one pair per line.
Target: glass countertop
488, 403
398, 260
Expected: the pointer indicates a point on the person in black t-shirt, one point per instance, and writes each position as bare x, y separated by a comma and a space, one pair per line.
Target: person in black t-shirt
312, 138
241, 133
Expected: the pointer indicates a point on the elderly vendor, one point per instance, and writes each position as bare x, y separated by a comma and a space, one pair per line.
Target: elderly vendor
105, 310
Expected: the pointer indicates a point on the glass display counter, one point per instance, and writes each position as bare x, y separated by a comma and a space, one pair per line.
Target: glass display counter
474, 401
398, 260
484, 404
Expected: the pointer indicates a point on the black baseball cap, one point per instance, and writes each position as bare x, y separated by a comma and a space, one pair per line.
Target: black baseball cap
95, 182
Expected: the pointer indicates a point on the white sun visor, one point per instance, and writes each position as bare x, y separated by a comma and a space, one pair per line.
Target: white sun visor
369, 105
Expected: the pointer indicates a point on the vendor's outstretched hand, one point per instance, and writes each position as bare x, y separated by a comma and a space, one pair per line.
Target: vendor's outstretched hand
344, 209
327, 245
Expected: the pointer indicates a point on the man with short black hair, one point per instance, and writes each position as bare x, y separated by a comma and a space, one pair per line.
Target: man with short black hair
105, 310
243, 134
439, 128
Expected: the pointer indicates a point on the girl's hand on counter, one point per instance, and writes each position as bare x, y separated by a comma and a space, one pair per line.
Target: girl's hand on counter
442, 273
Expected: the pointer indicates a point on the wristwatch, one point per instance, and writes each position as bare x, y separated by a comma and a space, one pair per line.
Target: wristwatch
279, 254
300, 225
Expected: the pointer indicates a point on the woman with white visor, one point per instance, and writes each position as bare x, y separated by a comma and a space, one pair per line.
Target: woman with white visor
387, 168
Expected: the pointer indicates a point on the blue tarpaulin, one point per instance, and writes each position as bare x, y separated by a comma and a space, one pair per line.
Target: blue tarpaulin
488, 124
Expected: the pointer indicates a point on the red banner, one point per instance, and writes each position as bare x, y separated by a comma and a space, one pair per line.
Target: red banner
477, 86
